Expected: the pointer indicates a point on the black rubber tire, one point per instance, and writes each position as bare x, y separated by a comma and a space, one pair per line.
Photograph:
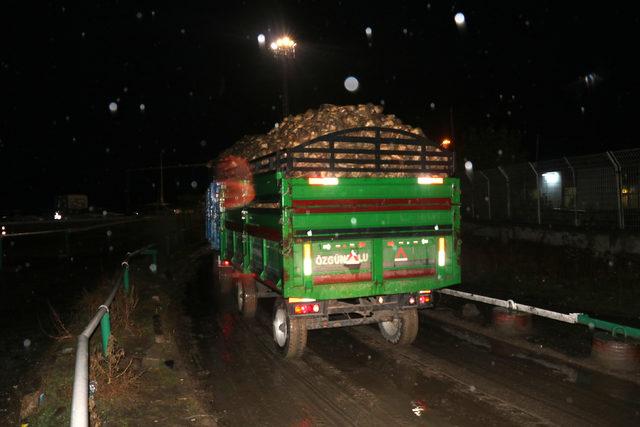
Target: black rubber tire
296, 332
225, 281
406, 328
246, 289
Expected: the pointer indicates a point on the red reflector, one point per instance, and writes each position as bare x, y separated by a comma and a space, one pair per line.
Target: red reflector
361, 245
225, 263
390, 243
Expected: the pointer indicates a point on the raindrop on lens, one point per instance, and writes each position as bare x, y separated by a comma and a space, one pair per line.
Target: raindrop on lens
194, 184
351, 84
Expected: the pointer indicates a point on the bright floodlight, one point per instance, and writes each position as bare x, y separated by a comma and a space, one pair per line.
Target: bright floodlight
459, 18
468, 166
351, 84
261, 39
285, 46
445, 143
551, 178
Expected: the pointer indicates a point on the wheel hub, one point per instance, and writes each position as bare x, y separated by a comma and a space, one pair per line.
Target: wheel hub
391, 327
280, 327
241, 297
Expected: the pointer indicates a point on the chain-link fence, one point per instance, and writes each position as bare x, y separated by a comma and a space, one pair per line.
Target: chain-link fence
599, 190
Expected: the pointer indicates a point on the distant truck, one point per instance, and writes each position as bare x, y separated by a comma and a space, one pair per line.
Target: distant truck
342, 236
71, 203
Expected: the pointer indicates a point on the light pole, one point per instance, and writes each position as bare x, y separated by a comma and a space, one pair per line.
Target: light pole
284, 49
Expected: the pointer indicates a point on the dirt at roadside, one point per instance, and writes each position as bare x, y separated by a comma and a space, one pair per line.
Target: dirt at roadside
145, 381
558, 278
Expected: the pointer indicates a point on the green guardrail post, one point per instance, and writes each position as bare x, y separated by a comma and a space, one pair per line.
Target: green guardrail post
105, 329
614, 328
125, 277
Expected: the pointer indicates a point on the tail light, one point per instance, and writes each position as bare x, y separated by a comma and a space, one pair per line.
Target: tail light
306, 264
323, 181
226, 263
423, 299
306, 308
442, 260
428, 180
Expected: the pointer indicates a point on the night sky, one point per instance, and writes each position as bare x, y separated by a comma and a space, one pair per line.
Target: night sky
563, 72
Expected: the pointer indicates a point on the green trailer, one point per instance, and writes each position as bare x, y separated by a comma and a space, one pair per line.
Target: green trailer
351, 228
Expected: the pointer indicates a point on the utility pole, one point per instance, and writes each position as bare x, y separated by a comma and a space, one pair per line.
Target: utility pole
161, 180
451, 128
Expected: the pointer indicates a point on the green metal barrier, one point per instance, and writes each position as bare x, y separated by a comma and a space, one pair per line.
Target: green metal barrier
627, 331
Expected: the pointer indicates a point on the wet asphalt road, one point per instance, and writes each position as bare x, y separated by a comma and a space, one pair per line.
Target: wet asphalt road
351, 376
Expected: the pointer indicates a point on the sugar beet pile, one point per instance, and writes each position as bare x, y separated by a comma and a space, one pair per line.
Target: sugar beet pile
298, 129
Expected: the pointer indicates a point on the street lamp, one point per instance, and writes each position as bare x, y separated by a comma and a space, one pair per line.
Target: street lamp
284, 48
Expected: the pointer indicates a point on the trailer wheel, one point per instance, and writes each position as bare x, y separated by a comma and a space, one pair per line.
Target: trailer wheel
246, 297
289, 333
403, 329
225, 280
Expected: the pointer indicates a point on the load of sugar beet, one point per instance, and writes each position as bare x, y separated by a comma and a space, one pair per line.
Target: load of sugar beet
301, 128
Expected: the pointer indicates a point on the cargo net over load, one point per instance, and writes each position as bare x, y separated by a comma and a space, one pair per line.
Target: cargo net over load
339, 141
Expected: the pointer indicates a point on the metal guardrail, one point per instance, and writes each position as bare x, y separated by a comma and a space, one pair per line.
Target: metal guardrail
66, 231
80, 402
575, 318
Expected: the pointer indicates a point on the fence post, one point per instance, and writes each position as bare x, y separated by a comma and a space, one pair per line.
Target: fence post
535, 172
488, 193
616, 170
125, 277
105, 330
506, 178
575, 189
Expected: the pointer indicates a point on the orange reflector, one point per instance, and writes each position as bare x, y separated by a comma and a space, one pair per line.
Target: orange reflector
441, 252
306, 263
323, 181
294, 299
430, 180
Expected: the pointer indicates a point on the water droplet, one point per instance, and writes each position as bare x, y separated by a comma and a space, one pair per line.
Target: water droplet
368, 31
432, 106
351, 84
109, 233
113, 107
142, 107
203, 143
194, 184
139, 15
